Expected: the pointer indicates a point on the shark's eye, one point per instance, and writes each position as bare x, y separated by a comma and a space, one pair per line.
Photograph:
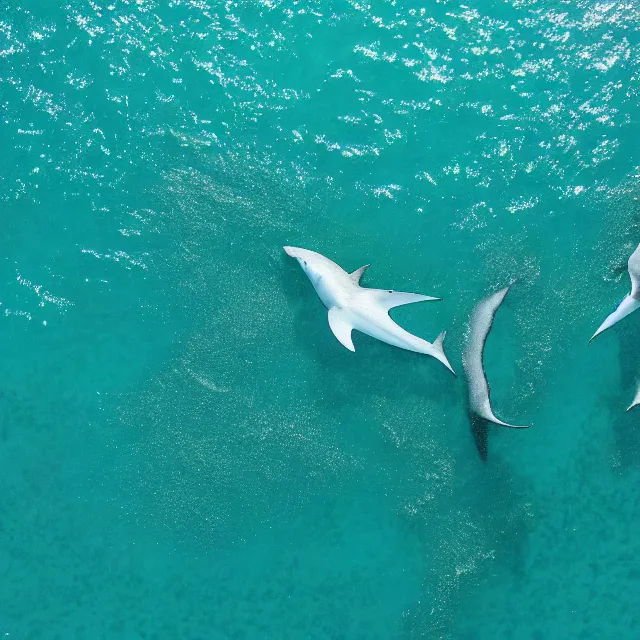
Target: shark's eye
390, 290
305, 263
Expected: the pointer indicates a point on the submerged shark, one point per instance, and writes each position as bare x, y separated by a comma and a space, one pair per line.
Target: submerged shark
472, 358
367, 310
632, 301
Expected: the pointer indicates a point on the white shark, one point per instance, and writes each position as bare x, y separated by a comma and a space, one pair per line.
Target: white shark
631, 302
472, 358
367, 310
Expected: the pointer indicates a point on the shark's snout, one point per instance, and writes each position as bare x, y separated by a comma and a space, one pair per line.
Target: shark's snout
290, 251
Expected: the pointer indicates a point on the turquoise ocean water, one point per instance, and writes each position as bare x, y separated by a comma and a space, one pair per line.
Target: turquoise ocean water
185, 449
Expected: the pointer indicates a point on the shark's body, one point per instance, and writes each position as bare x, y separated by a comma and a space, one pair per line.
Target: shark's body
367, 310
472, 359
631, 302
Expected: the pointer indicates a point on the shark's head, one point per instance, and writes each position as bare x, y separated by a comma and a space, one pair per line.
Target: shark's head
310, 261
321, 271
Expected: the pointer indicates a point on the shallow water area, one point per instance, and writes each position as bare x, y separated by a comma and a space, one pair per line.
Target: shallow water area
186, 450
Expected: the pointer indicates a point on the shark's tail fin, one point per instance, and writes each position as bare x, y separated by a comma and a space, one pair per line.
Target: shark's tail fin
438, 349
487, 413
492, 418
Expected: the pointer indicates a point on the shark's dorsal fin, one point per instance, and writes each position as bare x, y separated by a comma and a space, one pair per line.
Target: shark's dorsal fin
390, 299
341, 327
356, 276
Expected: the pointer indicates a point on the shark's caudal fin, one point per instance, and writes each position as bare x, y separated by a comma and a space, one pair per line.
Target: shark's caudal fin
627, 306
491, 417
388, 300
439, 354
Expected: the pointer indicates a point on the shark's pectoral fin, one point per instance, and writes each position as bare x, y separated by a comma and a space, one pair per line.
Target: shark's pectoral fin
636, 401
341, 327
356, 276
391, 299
628, 305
